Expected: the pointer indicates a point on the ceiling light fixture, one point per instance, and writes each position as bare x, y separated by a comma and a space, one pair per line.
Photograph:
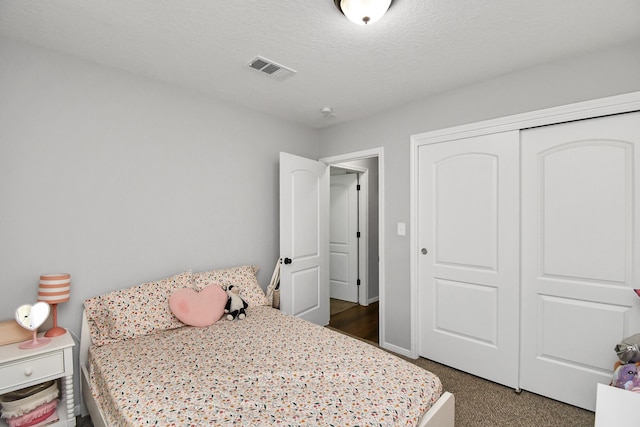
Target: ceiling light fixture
363, 12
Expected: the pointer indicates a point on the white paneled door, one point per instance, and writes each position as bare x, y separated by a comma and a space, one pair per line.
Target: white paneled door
469, 255
580, 253
343, 240
304, 238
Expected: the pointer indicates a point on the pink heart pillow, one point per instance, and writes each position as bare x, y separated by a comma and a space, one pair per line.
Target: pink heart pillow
199, 309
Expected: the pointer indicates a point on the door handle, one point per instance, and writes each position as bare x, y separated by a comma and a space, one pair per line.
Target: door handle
424, 251
288, 261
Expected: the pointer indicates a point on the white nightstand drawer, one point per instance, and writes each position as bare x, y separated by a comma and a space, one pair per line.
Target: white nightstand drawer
32, 369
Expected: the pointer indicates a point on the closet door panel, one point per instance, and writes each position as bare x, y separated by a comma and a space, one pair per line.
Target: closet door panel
468, 270
589, 322
579, 253
583, 184
466, 211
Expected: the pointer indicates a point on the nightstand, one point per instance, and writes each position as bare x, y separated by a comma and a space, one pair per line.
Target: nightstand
23, 368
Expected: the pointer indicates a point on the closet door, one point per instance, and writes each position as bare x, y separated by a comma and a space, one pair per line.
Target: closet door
580, 253
468, 228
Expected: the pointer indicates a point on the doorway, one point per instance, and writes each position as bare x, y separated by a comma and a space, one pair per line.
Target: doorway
363, 317
345, 209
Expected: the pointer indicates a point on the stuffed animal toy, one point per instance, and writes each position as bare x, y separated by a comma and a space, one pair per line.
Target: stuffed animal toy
628, 350
236, 306
625, 375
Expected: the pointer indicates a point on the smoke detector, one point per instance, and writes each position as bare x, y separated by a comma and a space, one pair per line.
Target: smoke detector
269, 67
327, 112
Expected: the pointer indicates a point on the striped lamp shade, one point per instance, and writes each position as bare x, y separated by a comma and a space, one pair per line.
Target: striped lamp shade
54, 288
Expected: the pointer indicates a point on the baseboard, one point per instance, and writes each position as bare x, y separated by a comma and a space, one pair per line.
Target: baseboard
399, 350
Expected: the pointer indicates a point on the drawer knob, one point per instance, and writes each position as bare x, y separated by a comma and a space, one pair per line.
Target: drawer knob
28, 372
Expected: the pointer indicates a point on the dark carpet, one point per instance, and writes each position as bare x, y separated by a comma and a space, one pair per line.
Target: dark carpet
482, 403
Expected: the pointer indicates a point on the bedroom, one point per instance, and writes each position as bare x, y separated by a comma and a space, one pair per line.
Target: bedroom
120, 178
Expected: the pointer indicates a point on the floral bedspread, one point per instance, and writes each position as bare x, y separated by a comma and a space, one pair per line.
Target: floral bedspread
268, 369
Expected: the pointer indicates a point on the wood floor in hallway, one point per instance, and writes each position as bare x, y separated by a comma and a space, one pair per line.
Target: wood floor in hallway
360, 321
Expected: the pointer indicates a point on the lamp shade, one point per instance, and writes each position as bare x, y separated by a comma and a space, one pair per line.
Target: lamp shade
54, 288
364, 11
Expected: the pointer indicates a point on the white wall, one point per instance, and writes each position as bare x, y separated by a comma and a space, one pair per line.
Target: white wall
609, 72
119, 180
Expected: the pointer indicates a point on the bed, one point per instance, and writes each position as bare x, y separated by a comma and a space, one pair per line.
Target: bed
267, 369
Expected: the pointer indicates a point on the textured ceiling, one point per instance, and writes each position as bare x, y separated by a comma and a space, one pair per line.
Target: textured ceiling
419, 48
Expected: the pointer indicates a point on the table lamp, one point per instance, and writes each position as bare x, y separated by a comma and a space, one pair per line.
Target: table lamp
54, 289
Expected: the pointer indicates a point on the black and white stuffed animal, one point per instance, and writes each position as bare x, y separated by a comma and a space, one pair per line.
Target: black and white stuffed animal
235, 304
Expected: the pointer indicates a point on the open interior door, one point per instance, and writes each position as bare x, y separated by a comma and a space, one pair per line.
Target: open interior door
304, 238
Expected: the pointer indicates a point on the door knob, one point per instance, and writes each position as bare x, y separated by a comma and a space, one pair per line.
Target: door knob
287, 261
424, 251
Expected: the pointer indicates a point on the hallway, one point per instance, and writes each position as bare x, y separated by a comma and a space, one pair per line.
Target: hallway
359, 321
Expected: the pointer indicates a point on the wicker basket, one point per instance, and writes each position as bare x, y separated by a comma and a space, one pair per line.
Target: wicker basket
20, 402
276, 297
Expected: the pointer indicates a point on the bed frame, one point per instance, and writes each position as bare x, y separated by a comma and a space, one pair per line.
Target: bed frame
441, 414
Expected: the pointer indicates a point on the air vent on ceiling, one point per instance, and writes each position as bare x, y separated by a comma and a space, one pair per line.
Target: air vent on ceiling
269, 67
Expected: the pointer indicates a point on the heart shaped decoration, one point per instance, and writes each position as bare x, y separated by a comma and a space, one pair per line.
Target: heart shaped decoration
31, 317
199, 309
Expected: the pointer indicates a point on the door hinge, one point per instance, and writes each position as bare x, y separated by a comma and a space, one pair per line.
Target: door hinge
358, 187
358, 234
358, 282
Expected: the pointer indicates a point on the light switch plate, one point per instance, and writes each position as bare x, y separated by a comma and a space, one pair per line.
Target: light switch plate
402, 229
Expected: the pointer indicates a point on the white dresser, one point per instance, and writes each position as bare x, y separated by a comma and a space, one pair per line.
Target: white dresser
616, 407
23, 368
